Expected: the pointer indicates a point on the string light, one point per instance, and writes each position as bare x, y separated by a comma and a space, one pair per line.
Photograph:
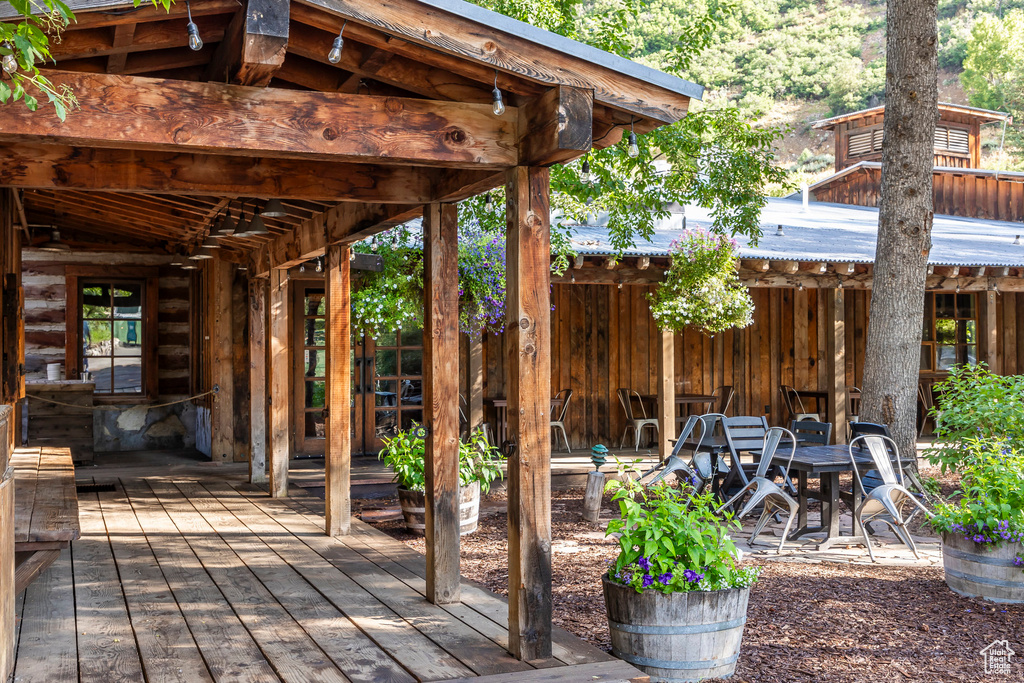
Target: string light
632, 148
9, 62
1016, 240
194, 41
585, 175
334, 56
489, 203
779, 232
319, 265
498, 106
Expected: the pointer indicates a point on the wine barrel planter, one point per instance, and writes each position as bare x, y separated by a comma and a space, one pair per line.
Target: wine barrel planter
414, 509
680, 636
974, 571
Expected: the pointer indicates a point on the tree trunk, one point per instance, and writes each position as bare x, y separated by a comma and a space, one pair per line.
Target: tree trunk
892, 355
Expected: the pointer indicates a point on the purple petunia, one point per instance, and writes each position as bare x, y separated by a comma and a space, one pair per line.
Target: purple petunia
644, 564
692, 576
647, 581
665, 578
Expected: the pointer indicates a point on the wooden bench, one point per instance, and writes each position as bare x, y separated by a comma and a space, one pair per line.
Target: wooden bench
45, 510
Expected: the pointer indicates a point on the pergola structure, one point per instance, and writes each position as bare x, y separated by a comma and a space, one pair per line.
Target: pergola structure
166, 138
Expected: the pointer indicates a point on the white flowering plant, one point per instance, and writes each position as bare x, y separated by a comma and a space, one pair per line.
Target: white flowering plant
392, 299
701, 289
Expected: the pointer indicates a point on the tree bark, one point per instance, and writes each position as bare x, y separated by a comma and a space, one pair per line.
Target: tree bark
892, 355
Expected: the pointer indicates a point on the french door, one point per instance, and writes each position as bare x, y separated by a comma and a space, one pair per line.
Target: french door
310, 367
387, 384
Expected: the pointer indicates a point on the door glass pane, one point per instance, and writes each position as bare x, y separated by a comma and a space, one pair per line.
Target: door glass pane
945, 331
386, 424
386, 339
946, 356
316, 363
127, 375
315, 392
387, 362
316, 303
413, 337
944, 306
319, 331
412, 392
127, 337
96, 301
385, 393
411, 417
315, 427
967, 332
412, 362
965, 305
969, 354
101, 373
929, 307
96, 338
926, 357
128, 301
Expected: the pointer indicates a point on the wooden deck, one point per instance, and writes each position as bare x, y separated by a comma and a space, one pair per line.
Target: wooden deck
185, 580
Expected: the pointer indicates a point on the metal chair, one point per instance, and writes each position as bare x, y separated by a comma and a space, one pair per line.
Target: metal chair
795, 405
742, 434
766, 492
724, 395
637, 424
887, 502
699, 469
811, 433
560, 422
924, 395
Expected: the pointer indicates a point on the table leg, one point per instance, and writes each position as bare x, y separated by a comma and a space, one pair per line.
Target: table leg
802, 497
858, 496
829, 508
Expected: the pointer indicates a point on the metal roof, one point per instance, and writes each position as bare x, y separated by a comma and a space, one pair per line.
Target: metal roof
1011, 176
986, 114
828, 232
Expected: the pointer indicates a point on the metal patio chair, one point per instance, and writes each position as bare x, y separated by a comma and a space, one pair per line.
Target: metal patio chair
637, 424
724, 395
887, 503
764, 491
795, 405
743, 433
811, 433
699, 470
560, 422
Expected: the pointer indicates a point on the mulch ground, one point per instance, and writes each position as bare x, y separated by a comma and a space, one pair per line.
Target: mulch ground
811, 622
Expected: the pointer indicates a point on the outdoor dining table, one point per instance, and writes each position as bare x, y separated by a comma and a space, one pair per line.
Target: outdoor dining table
501, 414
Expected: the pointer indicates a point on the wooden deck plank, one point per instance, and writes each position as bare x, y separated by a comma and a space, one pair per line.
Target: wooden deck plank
227, 647
293, 654
106, 642
567, 648
24, 460
166, 646
349, 648
424, 658
30, 564
476, 651
47, 650
55, 511
595, 672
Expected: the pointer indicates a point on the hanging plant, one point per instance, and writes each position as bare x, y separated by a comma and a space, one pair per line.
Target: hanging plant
386, 301
481, 276
701, 289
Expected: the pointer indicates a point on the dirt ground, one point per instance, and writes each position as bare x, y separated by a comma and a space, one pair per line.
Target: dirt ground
813, 622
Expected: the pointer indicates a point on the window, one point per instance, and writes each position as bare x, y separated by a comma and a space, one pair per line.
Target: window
955, 140
950, 335
113, 335
868, 142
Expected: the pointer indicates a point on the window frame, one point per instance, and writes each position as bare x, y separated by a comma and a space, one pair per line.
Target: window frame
150, 281
932, 344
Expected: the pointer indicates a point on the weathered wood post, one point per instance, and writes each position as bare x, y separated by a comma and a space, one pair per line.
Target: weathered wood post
258, 379
6, 545
441, 399
338, 446
835, 359
592, 497
528, 305
280, 387
666, 392
222, 415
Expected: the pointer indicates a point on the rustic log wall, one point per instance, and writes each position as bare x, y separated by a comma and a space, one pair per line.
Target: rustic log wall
133, 427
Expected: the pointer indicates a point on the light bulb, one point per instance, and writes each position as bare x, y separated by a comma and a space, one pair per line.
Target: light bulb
334, 56
585, 174
319, 266
302, 268
498, 104
10, 63
489, 204
194, 41
633, 149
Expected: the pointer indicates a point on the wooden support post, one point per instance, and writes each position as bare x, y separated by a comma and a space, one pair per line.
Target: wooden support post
280, 386
528, 302
990, 332
475, 372
441, 399
592, 497
258, 379
338, 446
666, 393
835, 359
222, 427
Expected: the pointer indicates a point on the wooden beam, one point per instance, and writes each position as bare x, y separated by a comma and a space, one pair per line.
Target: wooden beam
666, 392
601, 276
338, 445
458, 41
843, 268
835, 360
133, 112
258, 379
643, 263
977, 271
989, 336
254, 45
61, 167
610, 263
758, 265
124, 35
556, 127
529, 389
222, 447
577, 262
815, 267
441, 399
786, 266
280, 384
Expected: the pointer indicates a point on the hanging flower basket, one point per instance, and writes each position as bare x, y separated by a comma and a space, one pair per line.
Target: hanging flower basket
701, 289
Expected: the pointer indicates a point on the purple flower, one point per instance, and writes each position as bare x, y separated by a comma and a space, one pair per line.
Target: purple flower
692, 576
647, 581
644, 564
666, 577
1018, 561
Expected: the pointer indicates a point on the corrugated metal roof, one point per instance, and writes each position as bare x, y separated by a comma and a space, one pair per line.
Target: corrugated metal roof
829, 232
986, 114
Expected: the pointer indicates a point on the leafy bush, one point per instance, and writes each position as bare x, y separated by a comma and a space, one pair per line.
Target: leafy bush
671, 541
405, 453
990, 510
976, 404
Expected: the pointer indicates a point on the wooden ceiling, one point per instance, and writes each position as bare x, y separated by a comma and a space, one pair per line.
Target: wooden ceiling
142, 176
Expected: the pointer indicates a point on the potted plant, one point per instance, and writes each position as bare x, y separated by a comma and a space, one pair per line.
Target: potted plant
479, 466
983, 531
676, 596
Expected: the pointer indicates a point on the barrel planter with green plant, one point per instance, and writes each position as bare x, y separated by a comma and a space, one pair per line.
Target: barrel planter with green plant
980, 431
676, 596
479, 465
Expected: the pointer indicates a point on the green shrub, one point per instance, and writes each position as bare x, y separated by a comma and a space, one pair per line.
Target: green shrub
405, 453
